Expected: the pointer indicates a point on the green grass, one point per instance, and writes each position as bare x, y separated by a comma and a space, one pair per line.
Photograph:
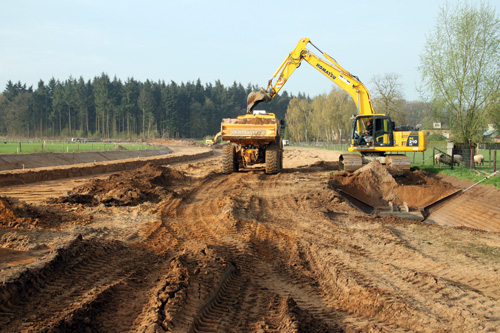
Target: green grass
63, 147
458, 171
464, 173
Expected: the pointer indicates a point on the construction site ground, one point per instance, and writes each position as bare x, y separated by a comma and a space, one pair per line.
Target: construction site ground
172, 244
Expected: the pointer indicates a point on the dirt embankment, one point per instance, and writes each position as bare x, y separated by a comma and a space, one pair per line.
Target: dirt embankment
29, 161
186, 248
15, 177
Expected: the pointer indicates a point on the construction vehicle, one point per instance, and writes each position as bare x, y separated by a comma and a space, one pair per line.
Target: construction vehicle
372, 135
253, 139
213, 141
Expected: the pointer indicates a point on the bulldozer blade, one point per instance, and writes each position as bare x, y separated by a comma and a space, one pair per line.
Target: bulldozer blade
427, 210
357, 203
255, 97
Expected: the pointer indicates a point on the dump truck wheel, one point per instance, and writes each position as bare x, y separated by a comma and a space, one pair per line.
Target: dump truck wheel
281, 156
272, 159
229, 162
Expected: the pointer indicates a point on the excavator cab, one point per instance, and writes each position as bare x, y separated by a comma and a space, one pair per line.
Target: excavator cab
372, 131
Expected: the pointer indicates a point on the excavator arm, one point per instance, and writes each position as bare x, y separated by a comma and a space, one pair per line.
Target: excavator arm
372, 135
329, 67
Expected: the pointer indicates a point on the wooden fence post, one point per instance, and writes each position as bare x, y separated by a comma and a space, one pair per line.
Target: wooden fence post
495, 161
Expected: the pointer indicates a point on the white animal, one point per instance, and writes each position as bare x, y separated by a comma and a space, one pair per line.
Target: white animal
478, 160
446, 159
458, 159
437, 157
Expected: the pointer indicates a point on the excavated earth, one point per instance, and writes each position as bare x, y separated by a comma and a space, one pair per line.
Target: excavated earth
182, 247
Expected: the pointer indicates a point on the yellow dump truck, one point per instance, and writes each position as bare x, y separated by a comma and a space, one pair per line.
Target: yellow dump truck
253, 138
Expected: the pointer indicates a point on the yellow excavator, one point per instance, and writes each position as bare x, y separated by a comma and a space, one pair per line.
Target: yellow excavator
373, 135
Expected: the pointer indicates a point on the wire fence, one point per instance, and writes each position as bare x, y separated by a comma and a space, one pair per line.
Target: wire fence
491, 157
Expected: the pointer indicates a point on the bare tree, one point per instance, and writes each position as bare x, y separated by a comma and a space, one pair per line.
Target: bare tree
459, 65
388, 96
298, 117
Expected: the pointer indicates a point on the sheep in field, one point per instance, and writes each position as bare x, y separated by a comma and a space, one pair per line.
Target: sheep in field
478, 160
458, 159
446, 159
437, 157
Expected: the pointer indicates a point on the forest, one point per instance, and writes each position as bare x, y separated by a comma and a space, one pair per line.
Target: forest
109, 108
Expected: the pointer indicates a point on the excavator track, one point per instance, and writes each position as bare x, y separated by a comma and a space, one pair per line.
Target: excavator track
398, 161
350, 162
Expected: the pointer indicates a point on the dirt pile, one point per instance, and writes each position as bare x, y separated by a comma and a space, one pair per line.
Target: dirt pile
119, 148
17, 214
6, 210
378, 186
250, 121
129, 188
15, 241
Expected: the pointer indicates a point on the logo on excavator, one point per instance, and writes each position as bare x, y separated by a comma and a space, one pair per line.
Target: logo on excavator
412, 141
327, 72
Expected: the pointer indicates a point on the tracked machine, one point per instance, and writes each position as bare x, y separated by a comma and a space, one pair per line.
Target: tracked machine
373, 135
253, 138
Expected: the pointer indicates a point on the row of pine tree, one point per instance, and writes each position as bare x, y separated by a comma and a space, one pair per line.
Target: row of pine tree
109, 108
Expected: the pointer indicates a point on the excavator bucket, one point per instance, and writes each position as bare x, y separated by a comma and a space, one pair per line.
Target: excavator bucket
255, 97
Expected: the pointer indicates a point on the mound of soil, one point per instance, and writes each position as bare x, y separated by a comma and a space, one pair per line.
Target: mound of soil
378, 186
6, 210
129, 188
18, 214
15, 241
119, 148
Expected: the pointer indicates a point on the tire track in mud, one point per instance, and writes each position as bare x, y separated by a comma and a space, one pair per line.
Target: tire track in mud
211, 214
253, 252
74, 286
364, 291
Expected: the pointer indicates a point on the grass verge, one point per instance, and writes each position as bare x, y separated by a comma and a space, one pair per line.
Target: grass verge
464, 173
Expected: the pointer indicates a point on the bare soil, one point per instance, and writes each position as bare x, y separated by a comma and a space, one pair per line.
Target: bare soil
182, 247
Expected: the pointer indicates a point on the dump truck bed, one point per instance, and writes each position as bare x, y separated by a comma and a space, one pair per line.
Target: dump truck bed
250, 129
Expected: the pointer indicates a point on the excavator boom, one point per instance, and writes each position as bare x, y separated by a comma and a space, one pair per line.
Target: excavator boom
329, 67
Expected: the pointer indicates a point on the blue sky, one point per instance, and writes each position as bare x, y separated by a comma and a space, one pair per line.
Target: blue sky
230, 41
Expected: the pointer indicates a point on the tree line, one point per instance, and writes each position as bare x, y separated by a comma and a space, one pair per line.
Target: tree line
110, 108
105, 108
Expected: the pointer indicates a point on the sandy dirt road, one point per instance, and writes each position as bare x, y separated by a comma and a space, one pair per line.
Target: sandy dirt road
185, 248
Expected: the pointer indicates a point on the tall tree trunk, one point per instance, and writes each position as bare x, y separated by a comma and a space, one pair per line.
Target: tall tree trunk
143, 121
87, 120
69, 120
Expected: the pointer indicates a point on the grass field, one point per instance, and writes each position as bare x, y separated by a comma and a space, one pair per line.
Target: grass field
64, 147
